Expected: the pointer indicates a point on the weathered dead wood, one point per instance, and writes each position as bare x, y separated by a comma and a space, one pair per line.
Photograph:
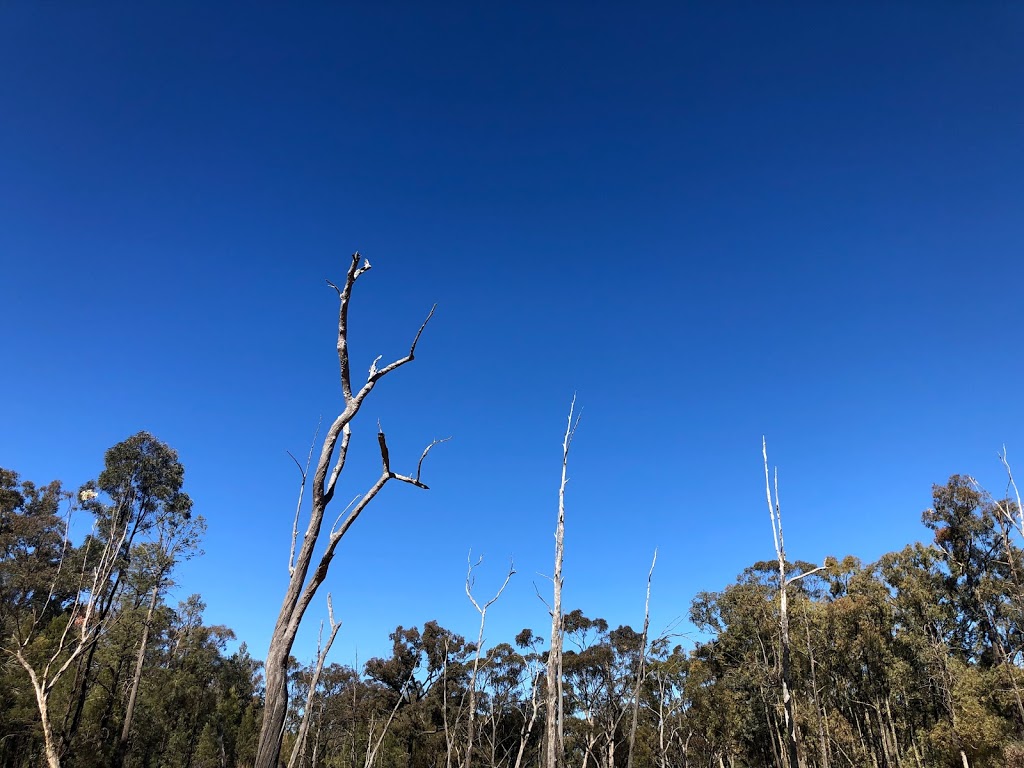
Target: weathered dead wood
321, 657
789, 705
482, 610
303, 582
554, 745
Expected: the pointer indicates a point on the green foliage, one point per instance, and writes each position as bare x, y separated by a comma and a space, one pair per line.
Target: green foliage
915, 660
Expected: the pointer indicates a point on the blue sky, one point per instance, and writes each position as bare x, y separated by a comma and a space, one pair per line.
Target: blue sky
712, 221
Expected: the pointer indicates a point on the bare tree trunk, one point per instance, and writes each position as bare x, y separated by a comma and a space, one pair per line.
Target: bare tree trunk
555, 747
129, 715
373, 747
321, 657
792, 734
788, 703
822, 720
42, 701
482, 610
300, 592
527, 729
641, 672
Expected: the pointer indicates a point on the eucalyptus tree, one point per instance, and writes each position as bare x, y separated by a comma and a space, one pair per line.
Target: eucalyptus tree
976, 561
138, 494
35, 589
141, 480
31, 548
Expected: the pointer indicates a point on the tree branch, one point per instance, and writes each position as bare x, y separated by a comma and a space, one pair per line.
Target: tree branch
302, 488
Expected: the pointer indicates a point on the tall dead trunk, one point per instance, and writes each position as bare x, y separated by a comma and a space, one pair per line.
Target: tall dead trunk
300, 590
789, 706
482, 610
641, 672
788, 702
554, 750
307, 713
527, 729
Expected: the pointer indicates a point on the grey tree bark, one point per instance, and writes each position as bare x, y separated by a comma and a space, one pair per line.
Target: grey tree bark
482, 610
303, 585
321, 658
788, 704
554, 748
641, 672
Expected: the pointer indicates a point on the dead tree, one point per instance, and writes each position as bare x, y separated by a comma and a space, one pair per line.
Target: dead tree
314, 681
641, 671
789, 707
303, 585
482, 610
554, 749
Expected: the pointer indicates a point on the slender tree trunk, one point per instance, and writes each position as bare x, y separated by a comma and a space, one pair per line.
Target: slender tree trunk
129, 714
482, 610
641, 672
527, 729
554, 745
773, 730
49, 743
789, 705
77, 704
307, 713
822, 722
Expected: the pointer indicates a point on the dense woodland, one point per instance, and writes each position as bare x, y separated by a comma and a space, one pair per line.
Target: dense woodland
913, 660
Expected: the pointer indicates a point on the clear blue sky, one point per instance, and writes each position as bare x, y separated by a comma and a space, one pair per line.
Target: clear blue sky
713, 221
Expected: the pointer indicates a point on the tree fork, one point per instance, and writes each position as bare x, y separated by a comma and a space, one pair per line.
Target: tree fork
300, 591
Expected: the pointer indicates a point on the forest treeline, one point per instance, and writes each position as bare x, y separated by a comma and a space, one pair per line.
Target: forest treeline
910, 661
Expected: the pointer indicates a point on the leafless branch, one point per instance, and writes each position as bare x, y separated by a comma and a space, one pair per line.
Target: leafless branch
541, 597
378, 374
794, 579
346, 437
1019, 522
321, 658
471, 581
303, 584
344, 297
334, 527
482, 610
419, 464
304, 471
371, 754
385, 457
768, 491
